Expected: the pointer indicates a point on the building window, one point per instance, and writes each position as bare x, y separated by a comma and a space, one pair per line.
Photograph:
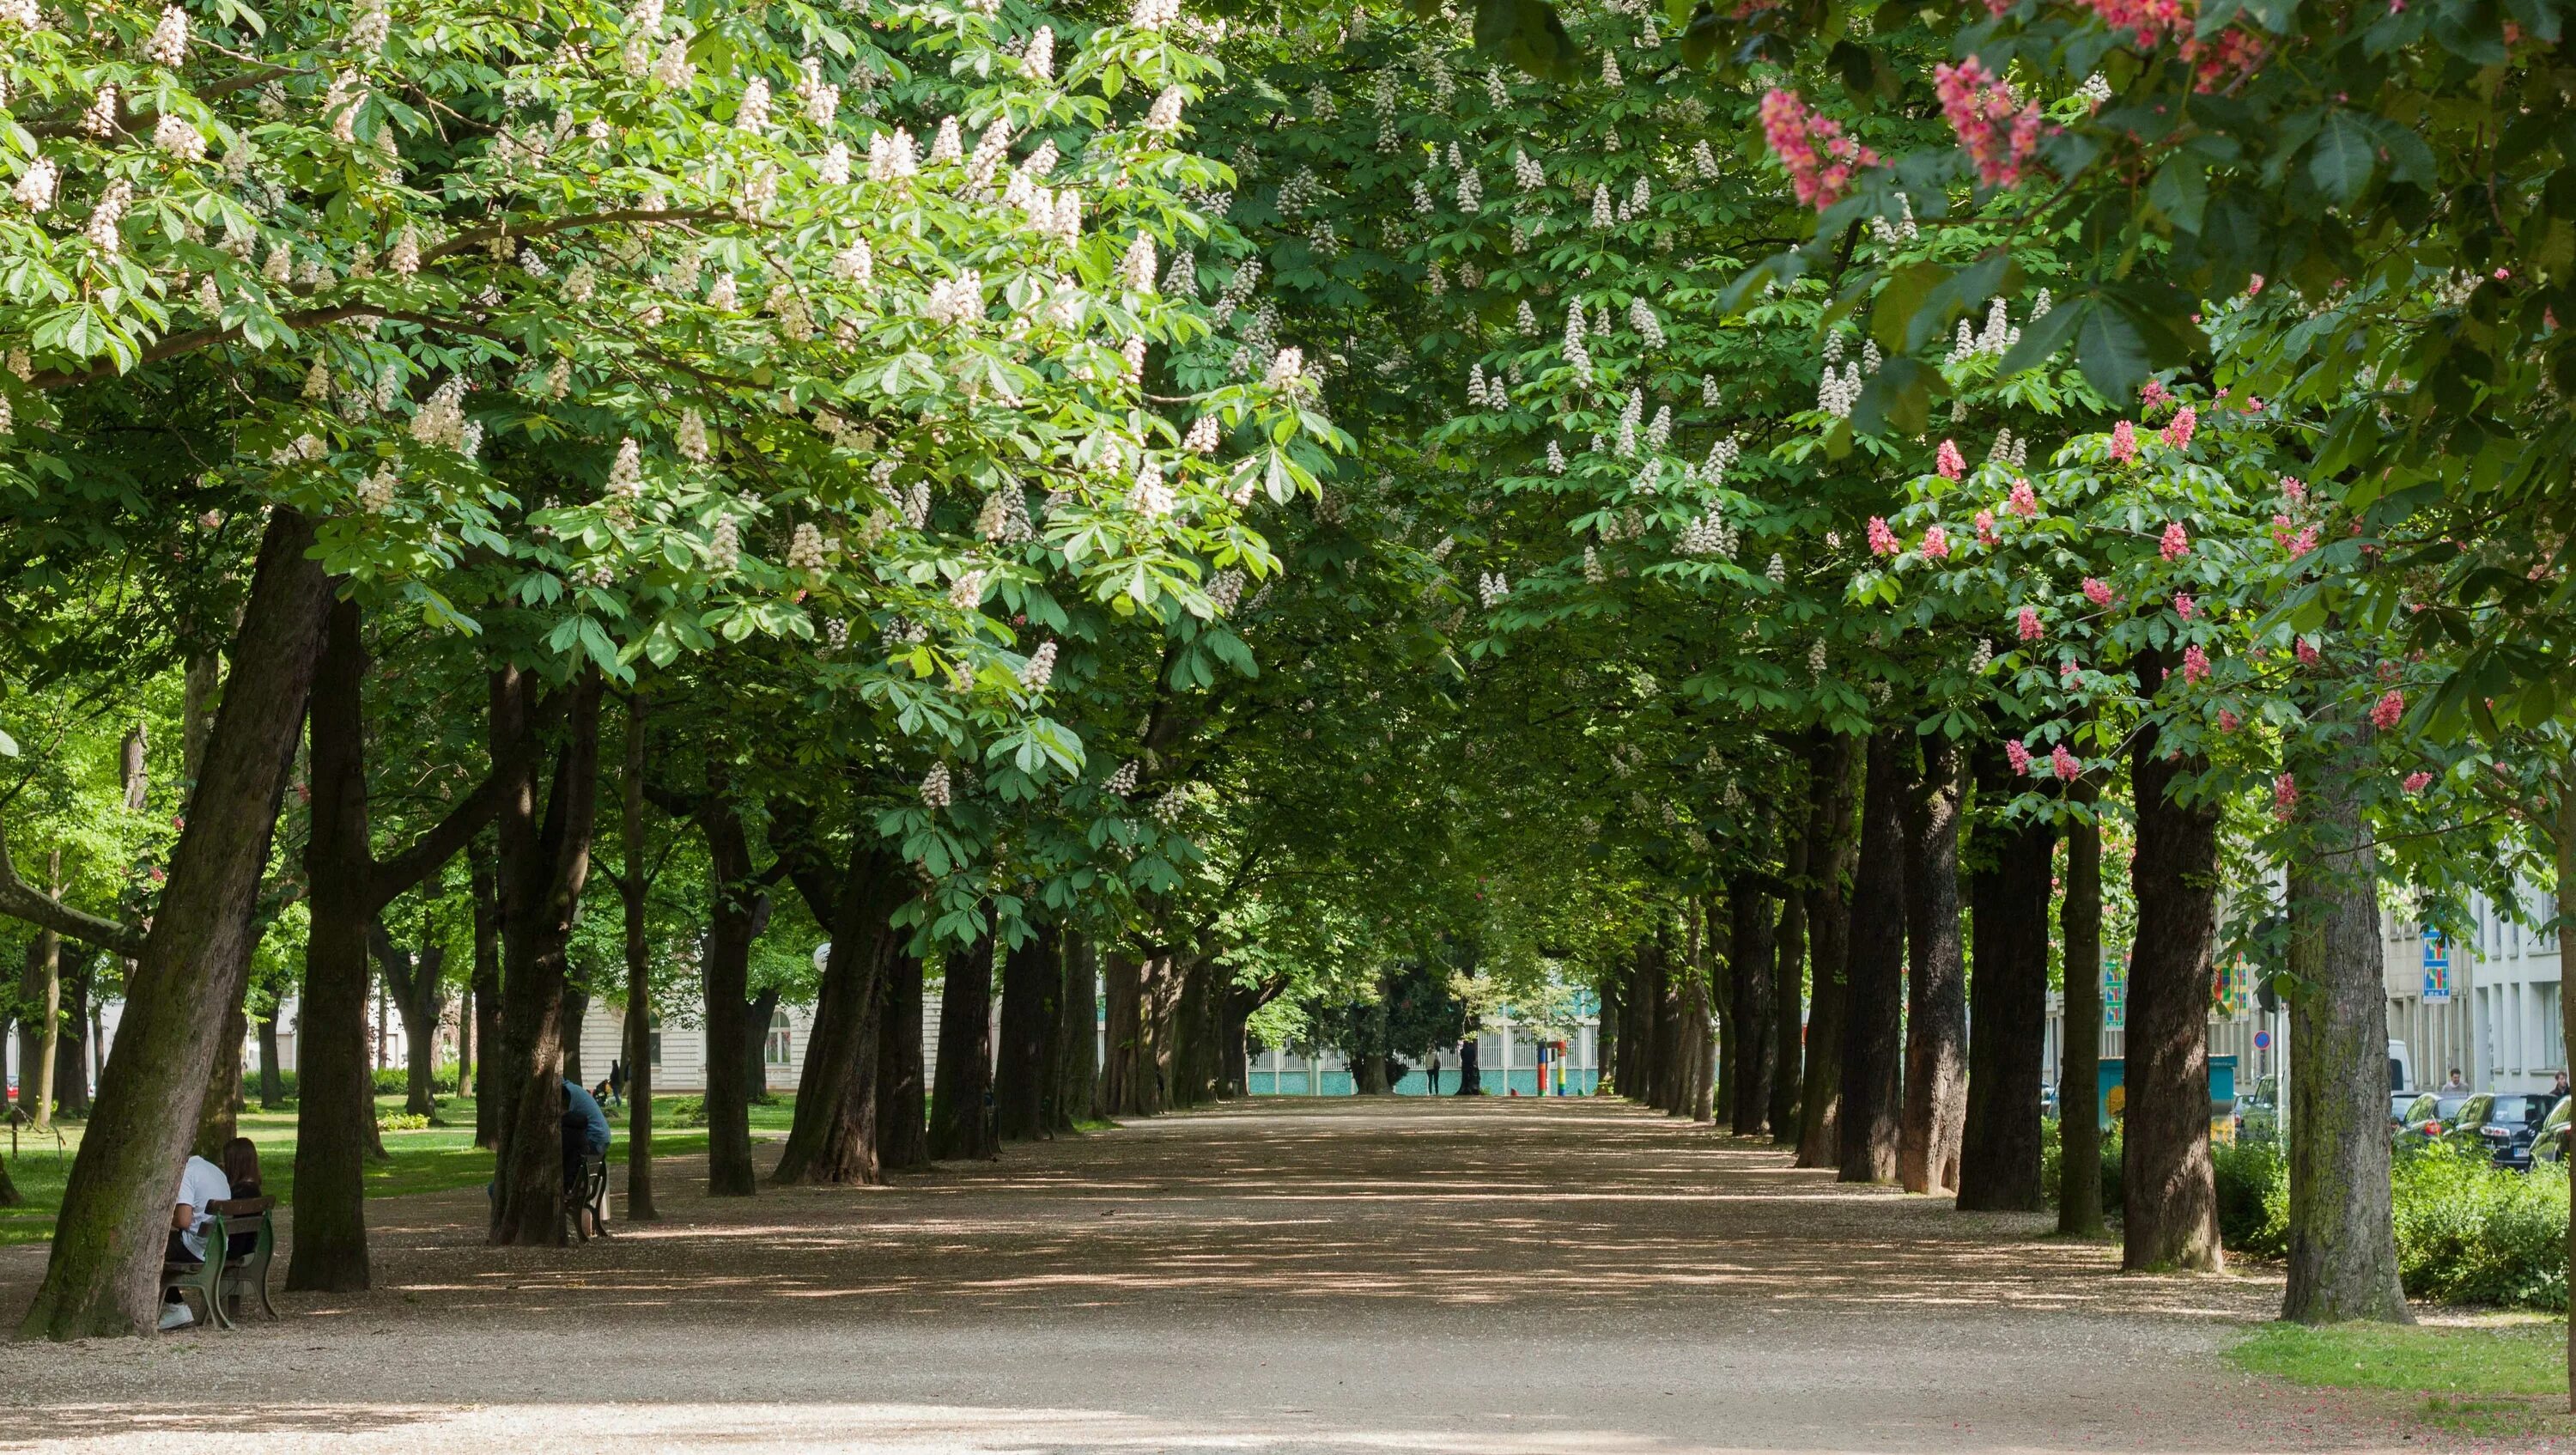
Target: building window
774, 1051
653, 1041
2553, 1035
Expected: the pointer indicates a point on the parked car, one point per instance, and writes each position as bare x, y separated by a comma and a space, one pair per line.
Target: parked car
2549, 1144
2398, 1102
2505, 1123
2429, 1115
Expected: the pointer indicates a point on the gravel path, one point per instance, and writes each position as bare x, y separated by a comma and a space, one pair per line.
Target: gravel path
1517, 1277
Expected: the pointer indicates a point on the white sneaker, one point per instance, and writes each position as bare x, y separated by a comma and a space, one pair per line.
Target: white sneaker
177, 1316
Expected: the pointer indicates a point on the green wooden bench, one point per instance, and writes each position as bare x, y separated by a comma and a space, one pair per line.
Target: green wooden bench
225, 1281
205, 1280
246, 1277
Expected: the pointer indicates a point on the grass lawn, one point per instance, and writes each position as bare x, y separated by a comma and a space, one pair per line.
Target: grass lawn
431, 1159
2487, 1380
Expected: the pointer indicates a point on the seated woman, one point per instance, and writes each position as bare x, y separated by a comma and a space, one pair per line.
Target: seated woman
241, 1169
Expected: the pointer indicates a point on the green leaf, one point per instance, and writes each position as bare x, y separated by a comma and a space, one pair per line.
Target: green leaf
8, 746
2111, 352
2181, 191
1898, 398
2342, 158
2043, 336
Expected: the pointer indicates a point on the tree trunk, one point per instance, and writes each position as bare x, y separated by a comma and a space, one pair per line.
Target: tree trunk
575, 1017
102, 1276
1874, 1018
2563, 847
1712, 964
1471, 1075
488, 1095
1606, 1033
1645, 999
959, 1130
219, 1115
71, 1060
758, 1017
2169, 1193
1077, 1056
1236, 1003
543, 866
1754, 953
1835, 849
2343, 1247
1999, 1166
834, 1135
1788, 991
335, 1094
1936, 1024
1032, 978
2079, 1074
272, 1080
1368, 1058
1130, 1080
418, 990
903, 1142
45, 1008
731, 915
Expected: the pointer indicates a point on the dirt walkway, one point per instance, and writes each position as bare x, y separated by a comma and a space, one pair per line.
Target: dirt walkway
1512, 1276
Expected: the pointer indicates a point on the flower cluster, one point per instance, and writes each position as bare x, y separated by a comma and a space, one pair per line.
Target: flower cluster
1821, 161
1998, 132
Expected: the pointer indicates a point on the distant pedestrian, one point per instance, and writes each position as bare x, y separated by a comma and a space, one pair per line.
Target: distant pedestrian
2558, 1088
2455, 1083
1435, 1073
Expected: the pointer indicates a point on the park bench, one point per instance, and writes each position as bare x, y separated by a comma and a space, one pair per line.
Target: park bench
226, 1280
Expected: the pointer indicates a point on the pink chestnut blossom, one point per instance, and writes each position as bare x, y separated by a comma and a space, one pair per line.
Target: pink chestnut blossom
1986, 528
2390, 707
2177, 542
1998, 131
2228, 721
2293, 489
2306, 651
2097, 591
2416, 780
1821, 161
1882, 541
2124, 442
2178, 433
2195, 664
2151, 394
2285, 795
1949, 461
2028, 623
2017, 755
1936, 543
2064, 763
2184, 606
2304, 542
2024, 501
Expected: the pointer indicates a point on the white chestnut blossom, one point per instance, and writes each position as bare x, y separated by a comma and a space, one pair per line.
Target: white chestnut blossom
169, 43
1040, 669
934, 786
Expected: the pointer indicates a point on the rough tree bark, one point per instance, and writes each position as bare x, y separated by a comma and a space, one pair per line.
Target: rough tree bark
634, 885
2343, 1245
834, 1135
958, 1127
1078, 1035
1788, 987
1873, 1066
419, 996
102, 1275
543, 865
1032, 978
485, 891
733, 915
1999, 1165
2169, 1191
1936, 1024
2079, 1074
1834, 843
1755, 953
903, 1142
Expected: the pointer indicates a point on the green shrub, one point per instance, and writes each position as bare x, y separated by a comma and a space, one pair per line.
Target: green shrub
2469, 1231
2253, 1198
401, 1121
688, 1111
396, 1080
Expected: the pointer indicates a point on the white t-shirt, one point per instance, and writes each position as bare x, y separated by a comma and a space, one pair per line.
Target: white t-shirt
201, 1182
